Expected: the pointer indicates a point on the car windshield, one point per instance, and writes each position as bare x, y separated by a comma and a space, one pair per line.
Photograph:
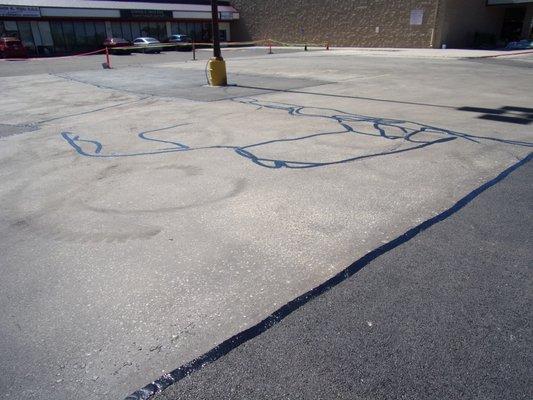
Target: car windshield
151, 40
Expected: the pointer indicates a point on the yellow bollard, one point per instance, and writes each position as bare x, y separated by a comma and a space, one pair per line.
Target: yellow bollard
216, 72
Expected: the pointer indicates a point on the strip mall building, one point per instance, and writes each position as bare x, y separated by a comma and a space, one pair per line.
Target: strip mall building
69, 26
386, 23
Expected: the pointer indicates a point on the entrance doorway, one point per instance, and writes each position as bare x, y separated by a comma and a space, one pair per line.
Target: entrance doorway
513, 23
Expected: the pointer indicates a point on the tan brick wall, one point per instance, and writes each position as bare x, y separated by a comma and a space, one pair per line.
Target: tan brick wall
341, 22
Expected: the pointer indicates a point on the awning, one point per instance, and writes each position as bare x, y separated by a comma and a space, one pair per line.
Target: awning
115, 5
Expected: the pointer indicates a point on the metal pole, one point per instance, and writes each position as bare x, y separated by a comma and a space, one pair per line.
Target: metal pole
216, 35
107, 58
216, 67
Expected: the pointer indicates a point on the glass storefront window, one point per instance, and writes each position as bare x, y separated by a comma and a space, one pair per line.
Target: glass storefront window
36, 35
176, 28
156, 30
70, 35
207, 32
47, 45
81, 41
56, 28
90, 32
11, 28
126, 31
161, 30
100, 33
26, 36
135, 30
47, 37
199, 31
145, 28
153, 29
116, 29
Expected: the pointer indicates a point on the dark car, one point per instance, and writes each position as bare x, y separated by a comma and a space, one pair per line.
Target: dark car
12, 47
116, 45
182, 42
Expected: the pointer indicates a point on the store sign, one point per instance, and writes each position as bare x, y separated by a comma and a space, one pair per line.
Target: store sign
146, 14
226, 15
16, 11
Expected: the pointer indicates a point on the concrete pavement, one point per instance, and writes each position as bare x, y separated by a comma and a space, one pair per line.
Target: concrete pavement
434, 316
142, 229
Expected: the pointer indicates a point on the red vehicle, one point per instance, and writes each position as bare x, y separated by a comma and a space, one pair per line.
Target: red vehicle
111, 43
12, 47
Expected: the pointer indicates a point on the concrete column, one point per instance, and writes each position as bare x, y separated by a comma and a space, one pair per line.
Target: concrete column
169, 29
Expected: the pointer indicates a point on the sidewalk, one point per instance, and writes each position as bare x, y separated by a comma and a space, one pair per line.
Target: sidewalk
413, 53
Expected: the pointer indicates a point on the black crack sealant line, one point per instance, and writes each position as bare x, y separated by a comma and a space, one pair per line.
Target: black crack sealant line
405, 135
240, 338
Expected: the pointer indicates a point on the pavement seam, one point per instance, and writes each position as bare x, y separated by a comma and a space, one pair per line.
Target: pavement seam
235, 341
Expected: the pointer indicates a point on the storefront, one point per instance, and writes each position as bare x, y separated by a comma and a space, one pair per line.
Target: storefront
55, 27
517, 20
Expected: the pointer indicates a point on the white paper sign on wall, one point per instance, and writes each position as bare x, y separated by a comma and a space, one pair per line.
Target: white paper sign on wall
417, 17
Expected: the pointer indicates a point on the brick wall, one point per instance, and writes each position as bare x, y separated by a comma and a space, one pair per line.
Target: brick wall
341, 22
363, 23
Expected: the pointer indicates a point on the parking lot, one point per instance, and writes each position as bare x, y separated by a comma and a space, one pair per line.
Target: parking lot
94, 62
146, 217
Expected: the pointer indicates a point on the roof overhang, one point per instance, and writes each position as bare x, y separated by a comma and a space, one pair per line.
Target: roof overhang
507, 2
114, 5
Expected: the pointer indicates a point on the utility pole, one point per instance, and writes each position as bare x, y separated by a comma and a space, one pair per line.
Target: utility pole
216, 31
216, 67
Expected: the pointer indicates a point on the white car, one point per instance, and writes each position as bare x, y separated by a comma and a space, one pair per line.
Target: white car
148, 44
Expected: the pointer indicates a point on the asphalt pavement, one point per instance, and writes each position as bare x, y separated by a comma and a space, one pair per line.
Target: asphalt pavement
445, 315
145, 219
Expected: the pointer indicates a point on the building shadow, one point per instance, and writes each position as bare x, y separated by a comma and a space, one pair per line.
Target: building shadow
507, 114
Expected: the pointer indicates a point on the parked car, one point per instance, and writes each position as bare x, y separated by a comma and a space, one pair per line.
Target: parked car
12, 47
148, 45
112, 43
183, 42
